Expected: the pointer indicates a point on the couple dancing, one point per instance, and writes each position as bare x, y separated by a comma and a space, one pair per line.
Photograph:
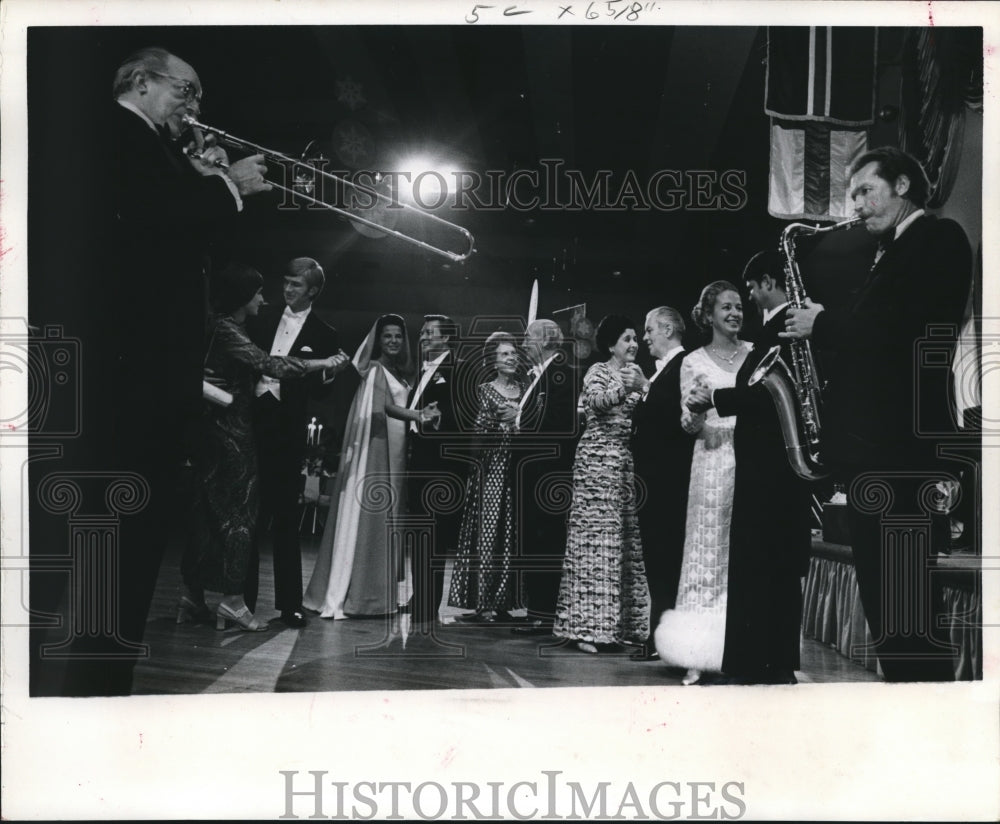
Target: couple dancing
359, 570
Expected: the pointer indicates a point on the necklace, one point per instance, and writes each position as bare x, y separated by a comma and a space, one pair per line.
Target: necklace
722, 357
509, 389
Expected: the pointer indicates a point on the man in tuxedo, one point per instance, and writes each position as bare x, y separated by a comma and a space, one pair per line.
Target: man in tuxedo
158, 213
889, 408
547, 425
769, 534
280, 427
428, 464
662, 452
168, 209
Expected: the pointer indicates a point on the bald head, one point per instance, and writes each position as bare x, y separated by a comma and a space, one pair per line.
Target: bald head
541, 339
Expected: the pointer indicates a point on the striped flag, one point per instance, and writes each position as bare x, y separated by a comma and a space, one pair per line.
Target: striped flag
810, 170
820, 93
822, 73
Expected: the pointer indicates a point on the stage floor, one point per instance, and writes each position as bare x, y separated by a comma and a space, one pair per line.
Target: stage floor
352, 655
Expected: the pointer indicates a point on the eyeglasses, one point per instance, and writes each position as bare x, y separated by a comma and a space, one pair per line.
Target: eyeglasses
188, 89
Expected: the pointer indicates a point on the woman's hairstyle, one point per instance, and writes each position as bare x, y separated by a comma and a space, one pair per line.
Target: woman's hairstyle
490, 346
609, 330
702, 312
234, 286
389, 320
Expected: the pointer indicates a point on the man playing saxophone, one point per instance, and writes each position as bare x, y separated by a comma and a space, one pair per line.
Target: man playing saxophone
886, 411
769, 537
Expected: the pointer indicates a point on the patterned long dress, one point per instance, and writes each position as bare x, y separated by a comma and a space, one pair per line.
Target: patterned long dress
225, 509
482, 578
693, 634
603, 596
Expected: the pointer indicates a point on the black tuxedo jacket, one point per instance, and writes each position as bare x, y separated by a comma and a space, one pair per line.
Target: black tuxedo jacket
549, 412
316, 340
164, 218
660, 446
889, 395
428, 461
770, 502
425, 445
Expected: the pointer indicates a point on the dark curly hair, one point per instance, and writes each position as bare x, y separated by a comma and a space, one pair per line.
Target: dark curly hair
234, 286
702, 312
609, 330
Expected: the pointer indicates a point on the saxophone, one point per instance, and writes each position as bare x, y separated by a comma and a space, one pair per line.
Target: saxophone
796, 390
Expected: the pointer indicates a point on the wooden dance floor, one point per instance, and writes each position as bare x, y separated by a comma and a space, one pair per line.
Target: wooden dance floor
350, 655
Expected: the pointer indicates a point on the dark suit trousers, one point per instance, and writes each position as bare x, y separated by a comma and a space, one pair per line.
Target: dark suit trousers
148, 445
662, 522
280, 450
899, 590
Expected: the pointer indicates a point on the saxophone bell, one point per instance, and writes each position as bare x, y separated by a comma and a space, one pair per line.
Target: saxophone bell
779, 380
795, 387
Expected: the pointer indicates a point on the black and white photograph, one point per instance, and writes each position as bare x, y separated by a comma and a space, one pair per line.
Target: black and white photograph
521, 410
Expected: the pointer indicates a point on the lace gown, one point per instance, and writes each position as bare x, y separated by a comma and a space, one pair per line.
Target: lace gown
482, 577
693, 634
603, 596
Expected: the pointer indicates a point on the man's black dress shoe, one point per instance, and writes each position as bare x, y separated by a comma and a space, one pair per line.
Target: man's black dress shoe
645, 652
533, 627
293, 618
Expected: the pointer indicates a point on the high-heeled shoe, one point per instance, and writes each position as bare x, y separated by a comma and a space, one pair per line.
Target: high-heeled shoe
244, 619
692, 677
587, 647
191, 612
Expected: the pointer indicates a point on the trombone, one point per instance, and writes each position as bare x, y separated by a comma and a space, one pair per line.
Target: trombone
277, 157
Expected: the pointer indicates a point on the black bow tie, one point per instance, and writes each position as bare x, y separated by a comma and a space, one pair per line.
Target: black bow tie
164, 131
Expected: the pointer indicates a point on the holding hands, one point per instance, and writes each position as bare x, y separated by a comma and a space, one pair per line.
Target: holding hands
508, 414
336, 362
430, 414
699, 399
699, 395
633, 378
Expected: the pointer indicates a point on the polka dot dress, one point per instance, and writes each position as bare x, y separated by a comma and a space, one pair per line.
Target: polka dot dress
482, 578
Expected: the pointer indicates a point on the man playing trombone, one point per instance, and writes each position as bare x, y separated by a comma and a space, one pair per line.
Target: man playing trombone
163, 211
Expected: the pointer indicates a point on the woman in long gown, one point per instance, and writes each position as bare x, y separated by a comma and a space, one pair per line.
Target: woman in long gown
357, 570
225, 511
603, 595
692, 635
482, 578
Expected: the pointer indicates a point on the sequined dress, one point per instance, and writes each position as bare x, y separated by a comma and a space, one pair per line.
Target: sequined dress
603, 596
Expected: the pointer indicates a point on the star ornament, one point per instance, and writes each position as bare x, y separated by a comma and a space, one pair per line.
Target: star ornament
349, 93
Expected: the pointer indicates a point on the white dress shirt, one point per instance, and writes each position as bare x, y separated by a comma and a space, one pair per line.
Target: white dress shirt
770, 313
429, 368
905, 224
284, 339
661, 364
